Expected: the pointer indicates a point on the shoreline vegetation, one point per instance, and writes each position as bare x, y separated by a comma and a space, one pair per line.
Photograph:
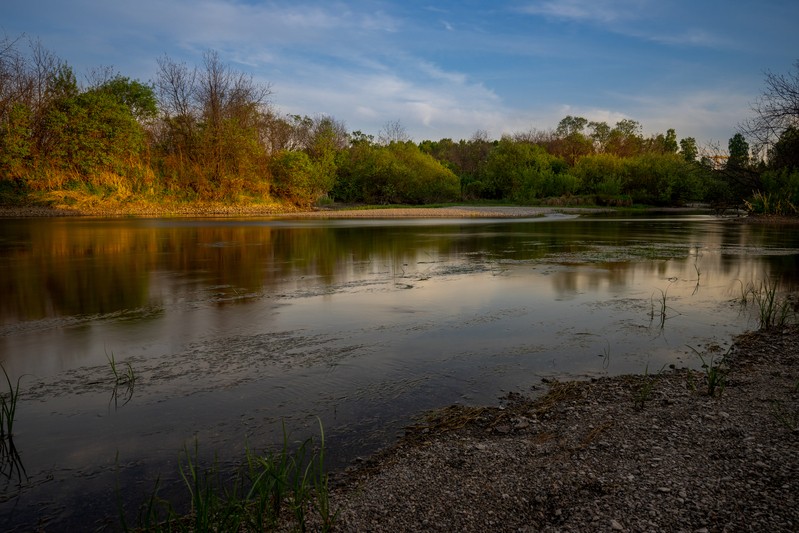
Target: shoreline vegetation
209, 136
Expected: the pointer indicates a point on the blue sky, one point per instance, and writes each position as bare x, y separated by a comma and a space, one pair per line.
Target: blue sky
446, 68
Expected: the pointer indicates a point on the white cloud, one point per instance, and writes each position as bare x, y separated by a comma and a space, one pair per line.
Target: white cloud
598, 11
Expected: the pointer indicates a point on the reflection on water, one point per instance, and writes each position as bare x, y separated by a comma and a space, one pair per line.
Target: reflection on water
232, 326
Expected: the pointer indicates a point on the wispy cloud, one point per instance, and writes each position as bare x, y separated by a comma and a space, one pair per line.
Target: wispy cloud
641, 19
596, 11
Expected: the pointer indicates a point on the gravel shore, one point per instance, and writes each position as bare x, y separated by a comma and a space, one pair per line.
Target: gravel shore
630, 453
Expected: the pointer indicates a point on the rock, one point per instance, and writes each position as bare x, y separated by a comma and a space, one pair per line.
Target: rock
616, 526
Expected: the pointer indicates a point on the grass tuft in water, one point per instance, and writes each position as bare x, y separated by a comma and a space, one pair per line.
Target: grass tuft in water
773, 312
124, 380
8, 407
269, 490
10, 460
660, 307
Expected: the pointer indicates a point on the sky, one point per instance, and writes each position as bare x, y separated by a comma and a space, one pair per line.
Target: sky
446, 68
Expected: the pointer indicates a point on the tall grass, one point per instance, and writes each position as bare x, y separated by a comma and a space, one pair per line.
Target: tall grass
269, 490
123, 377
772, 310
716, 371
8, 407
10, 460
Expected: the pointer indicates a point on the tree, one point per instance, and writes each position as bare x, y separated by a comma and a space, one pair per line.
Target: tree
600, 133
776, 110
138, 97
738, 151
572, 141
689, 149
392, 132
214, 121
670, 142
785, 152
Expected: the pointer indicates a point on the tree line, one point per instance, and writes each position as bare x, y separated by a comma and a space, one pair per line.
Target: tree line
209, 132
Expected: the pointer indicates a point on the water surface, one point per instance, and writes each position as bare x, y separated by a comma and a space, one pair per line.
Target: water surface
234, 326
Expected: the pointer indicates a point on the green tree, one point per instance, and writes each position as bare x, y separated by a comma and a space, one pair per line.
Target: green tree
625, 139
523, 172
785, 152
396, 173
572, 141
138, 97
738, 152
670, 142
15, 143
689, 149
600, 134
601, 174
661, 179
296, 178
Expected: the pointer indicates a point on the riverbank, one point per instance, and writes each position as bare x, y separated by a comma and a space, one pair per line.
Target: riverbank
218, 209
228, 210
631, 453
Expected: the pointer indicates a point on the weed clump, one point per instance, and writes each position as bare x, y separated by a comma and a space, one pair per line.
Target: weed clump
258, 497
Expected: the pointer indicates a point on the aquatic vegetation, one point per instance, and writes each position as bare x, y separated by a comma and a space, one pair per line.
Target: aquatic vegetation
773, 312
122, 378
660, 307
10, 461
8, 407
252, 499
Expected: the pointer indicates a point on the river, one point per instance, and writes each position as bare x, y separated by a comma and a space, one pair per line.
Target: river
234, 328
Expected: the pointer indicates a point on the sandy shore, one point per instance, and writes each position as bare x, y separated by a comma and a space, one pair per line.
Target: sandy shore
225, 210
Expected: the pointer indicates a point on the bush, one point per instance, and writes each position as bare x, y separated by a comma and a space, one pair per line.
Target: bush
296, 178
398, 173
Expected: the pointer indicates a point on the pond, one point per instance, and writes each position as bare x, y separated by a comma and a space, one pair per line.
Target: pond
235, 327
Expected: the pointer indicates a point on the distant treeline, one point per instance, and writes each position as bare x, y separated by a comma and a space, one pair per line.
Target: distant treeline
208, 132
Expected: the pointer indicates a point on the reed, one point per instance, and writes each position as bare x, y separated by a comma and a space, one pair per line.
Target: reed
773, 312
8, 407
123, 377
254, 498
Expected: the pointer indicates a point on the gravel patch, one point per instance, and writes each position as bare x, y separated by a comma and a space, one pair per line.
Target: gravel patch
629, 453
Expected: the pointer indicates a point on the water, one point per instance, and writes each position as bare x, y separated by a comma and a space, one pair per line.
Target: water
233, 327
